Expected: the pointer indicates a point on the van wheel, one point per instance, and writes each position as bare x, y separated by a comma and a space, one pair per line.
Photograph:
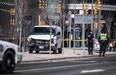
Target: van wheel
8, 64
30, 50
54, 51
60, 50
37, 51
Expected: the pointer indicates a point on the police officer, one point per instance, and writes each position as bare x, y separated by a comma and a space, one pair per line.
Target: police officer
103, 40
90, 39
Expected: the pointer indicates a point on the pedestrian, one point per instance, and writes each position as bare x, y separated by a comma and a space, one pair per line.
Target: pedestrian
90, 39
104, 41
114, 46
110, 46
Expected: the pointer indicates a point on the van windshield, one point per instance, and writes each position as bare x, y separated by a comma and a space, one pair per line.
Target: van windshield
42, 30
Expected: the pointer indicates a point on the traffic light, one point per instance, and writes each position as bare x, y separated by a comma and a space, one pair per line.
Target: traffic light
95, 10
12, 22
98, 4
41, 4
86, 8
59, 8
12, 14
12, 11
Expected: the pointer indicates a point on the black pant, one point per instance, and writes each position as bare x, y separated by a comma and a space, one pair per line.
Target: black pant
102, 49
110, 49
90, 48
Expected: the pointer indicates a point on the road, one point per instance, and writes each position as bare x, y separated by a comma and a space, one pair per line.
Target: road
97, 66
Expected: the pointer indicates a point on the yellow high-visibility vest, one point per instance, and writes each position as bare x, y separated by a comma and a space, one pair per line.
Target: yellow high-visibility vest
103, 36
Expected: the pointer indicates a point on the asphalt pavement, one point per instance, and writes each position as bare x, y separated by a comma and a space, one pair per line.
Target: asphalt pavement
97, 66
68, 53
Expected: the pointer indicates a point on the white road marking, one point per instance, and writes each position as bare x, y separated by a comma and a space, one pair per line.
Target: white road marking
58, 67
69, 66
48, 68
91, 71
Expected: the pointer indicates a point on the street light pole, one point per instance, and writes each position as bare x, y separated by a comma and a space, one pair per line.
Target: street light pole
99, 15
92, 15
83, 29
69, 29
99, 26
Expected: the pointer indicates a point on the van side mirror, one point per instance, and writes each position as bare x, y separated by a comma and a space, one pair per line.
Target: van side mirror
58, 33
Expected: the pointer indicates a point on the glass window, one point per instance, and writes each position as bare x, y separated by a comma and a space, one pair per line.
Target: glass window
43, 30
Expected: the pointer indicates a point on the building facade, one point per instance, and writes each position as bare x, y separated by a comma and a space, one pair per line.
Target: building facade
74, 16
94, 14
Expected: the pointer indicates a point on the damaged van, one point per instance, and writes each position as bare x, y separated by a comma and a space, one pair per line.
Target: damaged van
39, 40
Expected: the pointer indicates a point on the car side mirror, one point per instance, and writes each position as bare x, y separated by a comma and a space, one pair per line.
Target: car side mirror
58, 33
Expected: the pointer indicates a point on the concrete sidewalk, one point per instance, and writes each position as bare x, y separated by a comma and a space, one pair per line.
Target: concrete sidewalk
68, 53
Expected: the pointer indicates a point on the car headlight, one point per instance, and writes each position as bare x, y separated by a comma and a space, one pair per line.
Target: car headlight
32, 42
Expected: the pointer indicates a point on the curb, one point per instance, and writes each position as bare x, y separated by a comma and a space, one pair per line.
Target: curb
66, 59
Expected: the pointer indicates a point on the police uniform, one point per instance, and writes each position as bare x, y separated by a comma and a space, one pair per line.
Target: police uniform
90, 43
103, 40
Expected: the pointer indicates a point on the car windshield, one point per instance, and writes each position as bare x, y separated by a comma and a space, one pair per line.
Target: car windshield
42, 30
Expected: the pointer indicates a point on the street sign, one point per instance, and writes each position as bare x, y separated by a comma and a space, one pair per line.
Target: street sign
87, 19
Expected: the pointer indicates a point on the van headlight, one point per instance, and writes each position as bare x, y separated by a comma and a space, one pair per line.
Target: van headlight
47, 42
32, 42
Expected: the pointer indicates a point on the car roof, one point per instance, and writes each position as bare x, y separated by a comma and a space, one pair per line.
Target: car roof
46, 26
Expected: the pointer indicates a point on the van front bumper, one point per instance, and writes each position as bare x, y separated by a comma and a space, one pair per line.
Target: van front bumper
42, 48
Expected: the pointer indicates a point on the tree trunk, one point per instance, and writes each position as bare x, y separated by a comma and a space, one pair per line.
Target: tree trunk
20, 34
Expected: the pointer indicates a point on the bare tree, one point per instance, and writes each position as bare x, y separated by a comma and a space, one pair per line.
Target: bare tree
21, 8
52, 16
109, 21
64, 8
51, 13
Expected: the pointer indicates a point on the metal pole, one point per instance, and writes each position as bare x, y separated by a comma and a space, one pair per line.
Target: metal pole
74, 31
63, 23
83, 30
39, 19
99, 31
69, 29
92, 15
74, 38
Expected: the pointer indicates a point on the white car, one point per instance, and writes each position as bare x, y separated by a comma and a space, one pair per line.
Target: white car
10, 55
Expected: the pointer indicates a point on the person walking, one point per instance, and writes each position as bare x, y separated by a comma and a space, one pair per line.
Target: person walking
104, 41
114, 46
90, 38
110, 46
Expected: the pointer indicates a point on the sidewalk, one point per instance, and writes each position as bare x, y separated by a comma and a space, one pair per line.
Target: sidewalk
68, 53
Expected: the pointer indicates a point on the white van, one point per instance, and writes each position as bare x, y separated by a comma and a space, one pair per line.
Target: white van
39, 40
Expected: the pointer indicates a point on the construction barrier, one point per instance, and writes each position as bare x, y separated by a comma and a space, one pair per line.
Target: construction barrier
74, 40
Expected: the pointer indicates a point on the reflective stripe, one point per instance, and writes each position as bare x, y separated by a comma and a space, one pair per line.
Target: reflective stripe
103, 37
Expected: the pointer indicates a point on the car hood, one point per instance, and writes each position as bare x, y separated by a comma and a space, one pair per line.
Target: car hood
7, 43
40, 37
